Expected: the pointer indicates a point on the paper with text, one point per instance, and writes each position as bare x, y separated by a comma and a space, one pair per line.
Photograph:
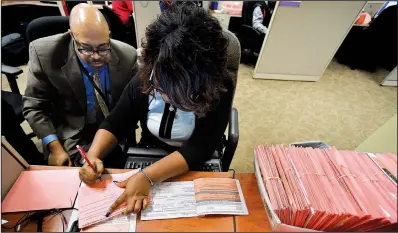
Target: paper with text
219, 196
171, 200
195, 198
95, 200
120, 223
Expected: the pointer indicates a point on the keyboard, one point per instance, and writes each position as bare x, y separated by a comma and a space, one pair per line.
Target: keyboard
135, 162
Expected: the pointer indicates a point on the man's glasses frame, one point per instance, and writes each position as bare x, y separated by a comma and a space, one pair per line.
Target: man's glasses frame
89, 52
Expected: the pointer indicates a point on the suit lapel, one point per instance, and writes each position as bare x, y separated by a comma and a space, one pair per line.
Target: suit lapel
115, 77
73, 74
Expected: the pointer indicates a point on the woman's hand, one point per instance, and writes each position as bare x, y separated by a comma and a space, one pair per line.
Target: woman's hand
87, 174
136, 192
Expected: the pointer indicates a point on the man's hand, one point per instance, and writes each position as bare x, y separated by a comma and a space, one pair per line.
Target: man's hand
136, 193
58, 156
87, 174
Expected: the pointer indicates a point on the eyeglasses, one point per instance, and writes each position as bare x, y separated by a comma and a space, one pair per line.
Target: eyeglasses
89, 52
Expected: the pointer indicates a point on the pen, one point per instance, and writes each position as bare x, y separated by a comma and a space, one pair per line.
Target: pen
83, 153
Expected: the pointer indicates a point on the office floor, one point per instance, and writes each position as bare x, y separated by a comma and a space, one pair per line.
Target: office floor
342, 109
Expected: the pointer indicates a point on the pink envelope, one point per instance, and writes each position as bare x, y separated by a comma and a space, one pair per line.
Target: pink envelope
42, 190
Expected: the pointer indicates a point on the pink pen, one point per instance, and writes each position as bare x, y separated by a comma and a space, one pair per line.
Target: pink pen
83, 153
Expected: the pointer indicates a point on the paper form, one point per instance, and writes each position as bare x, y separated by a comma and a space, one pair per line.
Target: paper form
195, 198
171, 200
346, 190
117, 224
95, 200
219, 196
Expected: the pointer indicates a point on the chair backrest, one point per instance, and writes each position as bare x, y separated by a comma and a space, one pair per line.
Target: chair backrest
46, 26
131, 37
233, 56
16, 17
116, 26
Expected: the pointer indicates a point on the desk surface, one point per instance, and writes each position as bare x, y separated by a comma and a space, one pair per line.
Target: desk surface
208, 223
257, 220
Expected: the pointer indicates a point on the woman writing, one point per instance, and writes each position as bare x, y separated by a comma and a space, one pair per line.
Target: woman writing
182, 100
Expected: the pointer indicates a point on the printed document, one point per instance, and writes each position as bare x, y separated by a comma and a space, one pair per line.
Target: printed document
195, 198
95, 200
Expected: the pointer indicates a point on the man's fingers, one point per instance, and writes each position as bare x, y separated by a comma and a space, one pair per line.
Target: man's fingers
145, 203
137, 206
69, 163
118, 202
130, 207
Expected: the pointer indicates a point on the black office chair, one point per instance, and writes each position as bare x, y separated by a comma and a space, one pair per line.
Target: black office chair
116, 26
16, 18
142, 157
131, 37
371, 47
38, 28
250, 39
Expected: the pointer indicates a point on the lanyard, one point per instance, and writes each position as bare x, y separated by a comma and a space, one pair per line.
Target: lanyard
103, 96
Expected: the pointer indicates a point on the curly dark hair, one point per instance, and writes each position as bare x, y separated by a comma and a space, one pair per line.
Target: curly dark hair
187, 51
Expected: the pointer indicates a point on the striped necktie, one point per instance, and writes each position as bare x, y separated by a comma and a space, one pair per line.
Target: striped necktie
101, 102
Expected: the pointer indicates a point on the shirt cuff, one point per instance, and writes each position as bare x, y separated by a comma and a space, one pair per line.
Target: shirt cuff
49, 138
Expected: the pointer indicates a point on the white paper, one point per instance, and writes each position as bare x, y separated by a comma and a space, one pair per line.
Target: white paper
75, 214
133, 222
223, 206
117, 177
121, 219
171, 200
219, 196
3, 221
122, 176
178, 199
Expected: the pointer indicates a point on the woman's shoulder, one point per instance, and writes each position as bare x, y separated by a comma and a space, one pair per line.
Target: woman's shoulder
135, 84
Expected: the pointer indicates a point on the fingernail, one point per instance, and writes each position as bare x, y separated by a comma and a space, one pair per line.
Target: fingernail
115, 181
107, 214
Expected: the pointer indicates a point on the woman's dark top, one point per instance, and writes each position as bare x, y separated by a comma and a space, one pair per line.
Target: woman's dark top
205, 139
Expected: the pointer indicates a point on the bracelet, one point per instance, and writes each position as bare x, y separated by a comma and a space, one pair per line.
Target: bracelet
149, 179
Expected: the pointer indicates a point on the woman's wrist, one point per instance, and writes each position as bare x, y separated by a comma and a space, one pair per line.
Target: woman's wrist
143, 177
92, 154
147, 177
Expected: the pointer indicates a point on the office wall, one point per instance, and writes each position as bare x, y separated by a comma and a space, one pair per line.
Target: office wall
145, 12
303, 40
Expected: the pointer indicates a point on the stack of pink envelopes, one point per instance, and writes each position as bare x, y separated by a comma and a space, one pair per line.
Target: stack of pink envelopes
327, 190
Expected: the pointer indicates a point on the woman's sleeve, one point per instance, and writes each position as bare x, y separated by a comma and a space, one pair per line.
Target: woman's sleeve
208, 133
123, 119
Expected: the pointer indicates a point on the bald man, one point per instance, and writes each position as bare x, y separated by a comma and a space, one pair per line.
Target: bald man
74, 80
